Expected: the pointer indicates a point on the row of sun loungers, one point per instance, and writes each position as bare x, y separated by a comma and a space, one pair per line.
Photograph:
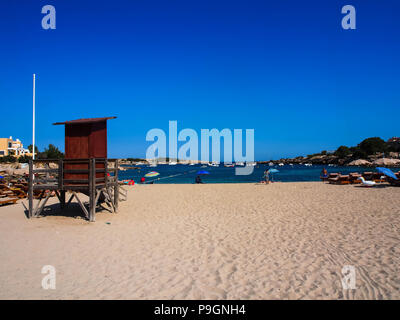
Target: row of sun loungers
9, 195
16, 189
353, 178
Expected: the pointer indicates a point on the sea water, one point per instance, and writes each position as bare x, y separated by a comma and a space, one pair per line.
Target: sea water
187, 174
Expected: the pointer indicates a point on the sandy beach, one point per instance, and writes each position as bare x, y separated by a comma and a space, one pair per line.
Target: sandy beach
215, 241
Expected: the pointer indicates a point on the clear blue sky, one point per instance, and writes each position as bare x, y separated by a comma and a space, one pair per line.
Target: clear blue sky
284, 68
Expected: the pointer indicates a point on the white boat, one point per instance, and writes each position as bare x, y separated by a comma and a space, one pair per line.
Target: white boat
229, 165
172, 163
214, 164
281, 164
271, 164
192, 164
240, 163
308, 164
251, 164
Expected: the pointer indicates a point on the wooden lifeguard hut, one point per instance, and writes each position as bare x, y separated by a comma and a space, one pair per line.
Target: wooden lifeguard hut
85, 169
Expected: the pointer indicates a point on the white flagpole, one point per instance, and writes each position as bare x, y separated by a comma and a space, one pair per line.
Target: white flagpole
33, 119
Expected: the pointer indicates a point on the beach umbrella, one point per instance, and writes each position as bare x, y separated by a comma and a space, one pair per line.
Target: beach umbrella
387, 172
151, 174
203, 172
271, 171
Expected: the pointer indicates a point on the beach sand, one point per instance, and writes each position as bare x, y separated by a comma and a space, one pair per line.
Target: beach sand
220, 241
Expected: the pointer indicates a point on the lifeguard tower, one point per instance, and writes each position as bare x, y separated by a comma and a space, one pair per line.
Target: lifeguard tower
85, 169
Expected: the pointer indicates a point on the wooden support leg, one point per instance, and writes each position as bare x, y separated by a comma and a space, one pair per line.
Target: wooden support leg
38, 203
110, 198
92, 190
43, 204
116, 187
81, 204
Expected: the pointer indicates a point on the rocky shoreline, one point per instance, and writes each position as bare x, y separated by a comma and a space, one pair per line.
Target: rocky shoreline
376, 160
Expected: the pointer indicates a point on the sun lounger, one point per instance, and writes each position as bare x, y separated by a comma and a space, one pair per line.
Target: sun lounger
8, 200
368, 175
344, 179
11, 191
394, 182
354, 177
333, 177
336, 178
378, 177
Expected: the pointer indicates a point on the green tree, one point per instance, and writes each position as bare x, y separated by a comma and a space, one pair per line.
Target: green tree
358, 153
373, 145
30, 149
8, 158
342, 152
24, 159
393, 146
51, 152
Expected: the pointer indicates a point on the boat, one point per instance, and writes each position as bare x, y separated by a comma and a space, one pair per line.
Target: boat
214, 164
172, 163
308, 164
281, 164
240, 163
229, 165
271, 164
251, 164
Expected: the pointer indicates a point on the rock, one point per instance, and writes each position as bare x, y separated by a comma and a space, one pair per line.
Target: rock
360, 163
53, 165
21, 171
394, 155
386, 162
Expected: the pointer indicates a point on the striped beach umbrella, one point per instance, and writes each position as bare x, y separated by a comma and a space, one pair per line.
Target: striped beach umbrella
151, 174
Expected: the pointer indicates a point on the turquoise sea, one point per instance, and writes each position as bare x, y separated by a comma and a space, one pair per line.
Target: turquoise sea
187, 174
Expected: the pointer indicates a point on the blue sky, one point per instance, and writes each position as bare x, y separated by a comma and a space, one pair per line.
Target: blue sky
284, 68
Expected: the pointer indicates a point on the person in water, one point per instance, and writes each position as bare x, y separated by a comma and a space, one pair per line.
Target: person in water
198, 180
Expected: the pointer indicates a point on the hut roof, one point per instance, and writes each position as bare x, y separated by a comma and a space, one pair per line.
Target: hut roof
81, 121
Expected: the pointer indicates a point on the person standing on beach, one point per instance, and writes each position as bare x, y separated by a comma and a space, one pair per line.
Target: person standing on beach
266, 176
324, 174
